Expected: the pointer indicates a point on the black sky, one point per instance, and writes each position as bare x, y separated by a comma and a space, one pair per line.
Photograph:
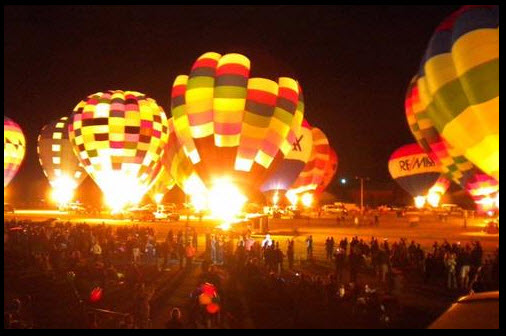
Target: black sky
353, 62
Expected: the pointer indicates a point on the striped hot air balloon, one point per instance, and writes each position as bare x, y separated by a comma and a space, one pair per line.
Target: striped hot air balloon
119, 138
14, 149
233, 126
453, 163
458, 83
58, 160
329, 171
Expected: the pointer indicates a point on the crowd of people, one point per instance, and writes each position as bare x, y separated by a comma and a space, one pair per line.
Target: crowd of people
122, 259
358, 277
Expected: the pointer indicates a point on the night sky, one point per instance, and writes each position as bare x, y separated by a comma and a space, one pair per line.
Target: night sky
353, 62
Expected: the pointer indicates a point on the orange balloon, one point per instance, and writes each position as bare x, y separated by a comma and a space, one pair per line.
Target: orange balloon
204, 299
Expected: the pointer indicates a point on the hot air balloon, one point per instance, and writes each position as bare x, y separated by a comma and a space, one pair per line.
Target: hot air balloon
459, 84
414, 170
234, 128
453, 163
14, 149
58, 160
438, 190
119, 138
281, 179
329, 171
312, 175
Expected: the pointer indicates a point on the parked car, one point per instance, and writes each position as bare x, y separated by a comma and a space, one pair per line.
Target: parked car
474, 311
335, 209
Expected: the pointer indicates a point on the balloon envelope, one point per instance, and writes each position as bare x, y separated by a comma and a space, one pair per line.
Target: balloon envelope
413, 169
313, 173
119, 138
289, 169
231, 125
459, 84
56, 156
14, 149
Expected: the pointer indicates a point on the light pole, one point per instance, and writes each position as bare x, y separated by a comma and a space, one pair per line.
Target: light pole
361, 191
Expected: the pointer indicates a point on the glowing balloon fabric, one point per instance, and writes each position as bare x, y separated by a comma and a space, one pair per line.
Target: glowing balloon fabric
119, 138
413, 169
452, 161
293, 164
329, 171
232, 125
313, 173
459, 84
56, 156
14, 149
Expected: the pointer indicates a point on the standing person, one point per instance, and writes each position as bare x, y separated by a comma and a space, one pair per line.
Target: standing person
195, 239
376, 219
331, 247
290, 253
279, 258
451, 264
96, 250
175, 319
309, 247
340, 261
190, 253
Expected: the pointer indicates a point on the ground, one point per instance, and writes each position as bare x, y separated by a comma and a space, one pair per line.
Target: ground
418, 300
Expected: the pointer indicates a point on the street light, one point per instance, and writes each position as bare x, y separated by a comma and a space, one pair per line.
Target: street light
361, 191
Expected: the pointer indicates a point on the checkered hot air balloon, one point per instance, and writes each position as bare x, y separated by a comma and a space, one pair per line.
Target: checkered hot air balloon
119, 138
233, 125
458, 83
57, 158
14, 149
312, 176
452, 160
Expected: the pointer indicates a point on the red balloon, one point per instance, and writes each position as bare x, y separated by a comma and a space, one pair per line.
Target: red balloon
213, 308
96, 294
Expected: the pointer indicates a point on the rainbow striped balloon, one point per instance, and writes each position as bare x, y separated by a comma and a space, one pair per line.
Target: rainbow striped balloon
459, 84
231, 125
453, 163
14, 149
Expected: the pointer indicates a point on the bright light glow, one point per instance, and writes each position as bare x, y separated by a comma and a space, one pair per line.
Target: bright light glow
343, 181
158, 198
490, 213
292, 197
275, 198
419, 201
63, 190
199, 201
497, 201
225, 200
433, 199
121, 190
307, 200
225, 226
